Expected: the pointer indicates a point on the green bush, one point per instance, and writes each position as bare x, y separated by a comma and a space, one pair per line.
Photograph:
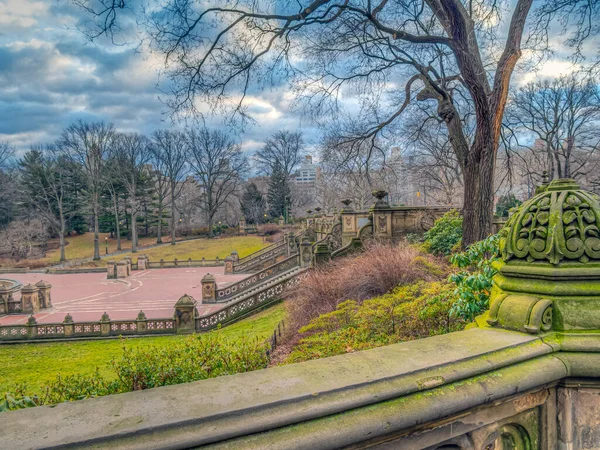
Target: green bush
195, 358
474, 283
410, 312
445, 234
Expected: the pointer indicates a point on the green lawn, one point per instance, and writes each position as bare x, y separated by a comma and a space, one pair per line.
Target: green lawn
82, 247
37, 364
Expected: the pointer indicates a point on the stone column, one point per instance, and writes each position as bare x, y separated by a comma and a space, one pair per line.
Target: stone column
322, 254
105, 324
141, 322
382, 216
228, 264
122, 269
128, 259
5, 295
111, 269
30, 302
68, 324
305, 254
44, 294
185, 314
209, 288
31, 328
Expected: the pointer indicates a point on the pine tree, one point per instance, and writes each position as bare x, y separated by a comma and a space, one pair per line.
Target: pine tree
279, 191
253, 204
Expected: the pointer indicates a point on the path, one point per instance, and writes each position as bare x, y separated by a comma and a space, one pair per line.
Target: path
87, 296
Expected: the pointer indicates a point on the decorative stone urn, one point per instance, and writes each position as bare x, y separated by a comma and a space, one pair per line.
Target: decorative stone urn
380, 195
549, 274
347, 208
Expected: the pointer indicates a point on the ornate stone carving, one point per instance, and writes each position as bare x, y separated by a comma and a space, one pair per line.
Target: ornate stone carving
560, 224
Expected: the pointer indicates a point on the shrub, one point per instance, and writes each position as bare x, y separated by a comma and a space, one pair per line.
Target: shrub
474, 283
376, 271
195, 358
445, 234
269, 229
415, 311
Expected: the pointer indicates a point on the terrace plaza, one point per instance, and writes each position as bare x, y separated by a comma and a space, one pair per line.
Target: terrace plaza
87, 296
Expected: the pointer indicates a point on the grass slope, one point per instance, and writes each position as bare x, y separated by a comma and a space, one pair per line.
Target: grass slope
37, 364
82, 246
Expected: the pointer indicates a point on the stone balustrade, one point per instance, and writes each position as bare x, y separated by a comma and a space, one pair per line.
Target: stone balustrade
33, 297
212, 294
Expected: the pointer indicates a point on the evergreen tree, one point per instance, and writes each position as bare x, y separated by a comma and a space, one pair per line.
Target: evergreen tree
253, 204
505, 203
279, 191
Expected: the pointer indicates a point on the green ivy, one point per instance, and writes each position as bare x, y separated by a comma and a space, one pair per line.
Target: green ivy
474, 283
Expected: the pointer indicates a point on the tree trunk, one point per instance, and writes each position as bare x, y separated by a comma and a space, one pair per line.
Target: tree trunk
134, 237
117, 225
159, 226
61, 236
96, 229
478, 202
172, 215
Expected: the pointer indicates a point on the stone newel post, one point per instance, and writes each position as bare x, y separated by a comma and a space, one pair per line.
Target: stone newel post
305, 254
322, 254
122, 269
128, 259
235, 256
228, 264
44, 294
30, 302
111, 269
105, 324
142, 262
209, 288
184, 316
382, 215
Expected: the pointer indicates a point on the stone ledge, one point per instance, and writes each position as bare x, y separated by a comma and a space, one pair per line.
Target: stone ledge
225, 408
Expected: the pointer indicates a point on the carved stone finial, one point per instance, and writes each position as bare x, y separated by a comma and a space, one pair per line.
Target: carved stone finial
549, 272
105, 317
141, 315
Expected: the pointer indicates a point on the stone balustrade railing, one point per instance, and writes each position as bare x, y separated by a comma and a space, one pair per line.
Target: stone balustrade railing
258, 260
239, 287
258, 298
162, 264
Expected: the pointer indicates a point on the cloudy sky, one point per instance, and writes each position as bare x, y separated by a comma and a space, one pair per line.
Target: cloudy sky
51, 75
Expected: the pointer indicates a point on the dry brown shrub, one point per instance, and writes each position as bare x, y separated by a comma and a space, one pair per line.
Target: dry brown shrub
374, 272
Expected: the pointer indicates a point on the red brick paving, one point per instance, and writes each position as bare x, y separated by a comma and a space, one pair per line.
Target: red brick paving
87, 296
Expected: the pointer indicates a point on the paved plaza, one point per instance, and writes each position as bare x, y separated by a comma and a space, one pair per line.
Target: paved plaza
87, 296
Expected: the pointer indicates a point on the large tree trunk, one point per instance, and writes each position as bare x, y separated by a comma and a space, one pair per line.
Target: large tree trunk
478, 202
134, 231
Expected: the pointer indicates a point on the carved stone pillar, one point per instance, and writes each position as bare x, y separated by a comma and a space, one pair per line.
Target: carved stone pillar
305, 254
105, 324
68, 324
142, 262
322, 254
235, 256
228, 264
44, 294
111, 269
209, 288
141, 322
184, 316
30, 302
122, 269
128, 259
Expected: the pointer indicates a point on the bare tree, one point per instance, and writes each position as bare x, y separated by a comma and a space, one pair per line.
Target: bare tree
218, 165
561, 117
283, 148
169, 155
131, 154
89, 145
8, 185
446, 52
